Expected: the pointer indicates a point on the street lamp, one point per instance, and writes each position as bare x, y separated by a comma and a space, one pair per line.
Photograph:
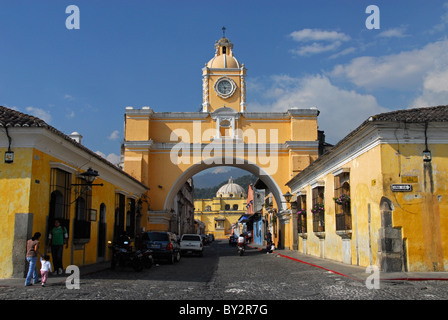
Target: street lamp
89, 176
287, 196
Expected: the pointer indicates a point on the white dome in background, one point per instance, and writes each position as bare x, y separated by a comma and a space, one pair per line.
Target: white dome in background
231, 190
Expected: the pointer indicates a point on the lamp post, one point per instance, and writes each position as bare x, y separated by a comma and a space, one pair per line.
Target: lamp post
89, 176
287, 196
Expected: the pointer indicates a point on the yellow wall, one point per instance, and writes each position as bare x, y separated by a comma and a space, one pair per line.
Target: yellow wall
216, 101
422, 213
363, 193
15, 179
25, 188
217, 211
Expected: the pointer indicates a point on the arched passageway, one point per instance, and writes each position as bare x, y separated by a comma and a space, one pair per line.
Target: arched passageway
233, 162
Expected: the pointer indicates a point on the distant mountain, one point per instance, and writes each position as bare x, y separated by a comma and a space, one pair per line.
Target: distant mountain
207, 193
214, 176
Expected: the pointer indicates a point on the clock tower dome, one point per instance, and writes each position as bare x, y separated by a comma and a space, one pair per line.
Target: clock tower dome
223, 80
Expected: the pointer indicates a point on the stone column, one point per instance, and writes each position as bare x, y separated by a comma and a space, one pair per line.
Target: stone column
23, 230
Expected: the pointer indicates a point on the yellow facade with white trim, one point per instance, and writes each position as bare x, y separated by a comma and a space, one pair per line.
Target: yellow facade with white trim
25, 186
164, 149
398, 201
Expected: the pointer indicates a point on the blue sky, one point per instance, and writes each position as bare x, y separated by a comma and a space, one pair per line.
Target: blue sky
150, 53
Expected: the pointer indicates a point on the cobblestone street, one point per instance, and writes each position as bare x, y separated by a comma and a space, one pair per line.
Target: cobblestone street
223, 275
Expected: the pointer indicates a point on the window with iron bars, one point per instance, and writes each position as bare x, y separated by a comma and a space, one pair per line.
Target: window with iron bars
319, 215
83, 203
301, 214
342, 202
60, 195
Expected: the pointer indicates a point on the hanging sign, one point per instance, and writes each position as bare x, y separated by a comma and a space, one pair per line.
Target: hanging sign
401, 187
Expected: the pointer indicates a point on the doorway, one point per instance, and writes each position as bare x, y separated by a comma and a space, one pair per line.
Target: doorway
102, 234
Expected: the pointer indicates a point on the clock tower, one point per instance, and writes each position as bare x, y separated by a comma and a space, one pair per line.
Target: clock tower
223, 80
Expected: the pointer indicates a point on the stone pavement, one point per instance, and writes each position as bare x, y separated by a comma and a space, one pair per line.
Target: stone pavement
58, 278
349, 271
352, 271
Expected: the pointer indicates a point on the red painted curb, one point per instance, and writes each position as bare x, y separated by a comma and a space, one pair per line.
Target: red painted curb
320, 267
344, 275
310, 264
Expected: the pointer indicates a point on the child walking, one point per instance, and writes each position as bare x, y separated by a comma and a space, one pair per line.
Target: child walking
45, 269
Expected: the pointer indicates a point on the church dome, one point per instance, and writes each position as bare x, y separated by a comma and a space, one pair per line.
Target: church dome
231, 190
223, 58
223, 62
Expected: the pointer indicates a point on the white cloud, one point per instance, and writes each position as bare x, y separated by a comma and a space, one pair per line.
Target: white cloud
435, 90
404, 70
322, 41
316, 48
443, 20
39, 113
221, 170
318, 35
68, 97
341, 110
111, 157
114, 135
71, 114
343, 52
398, 32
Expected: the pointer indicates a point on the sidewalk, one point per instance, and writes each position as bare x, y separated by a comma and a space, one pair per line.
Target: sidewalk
56, 279
350, 271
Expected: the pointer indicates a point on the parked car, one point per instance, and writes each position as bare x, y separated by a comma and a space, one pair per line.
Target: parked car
191, 243
163, 244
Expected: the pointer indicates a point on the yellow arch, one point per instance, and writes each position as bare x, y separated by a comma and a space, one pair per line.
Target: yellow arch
229, 162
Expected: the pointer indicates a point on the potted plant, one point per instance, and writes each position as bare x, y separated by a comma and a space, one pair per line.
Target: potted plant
318, 208
343, 199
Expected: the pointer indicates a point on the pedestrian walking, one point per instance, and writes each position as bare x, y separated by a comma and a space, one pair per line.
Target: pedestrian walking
57, 237
269, 242
32, 251
45, 268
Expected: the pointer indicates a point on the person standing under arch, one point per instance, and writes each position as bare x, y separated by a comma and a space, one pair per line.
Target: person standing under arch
57, 237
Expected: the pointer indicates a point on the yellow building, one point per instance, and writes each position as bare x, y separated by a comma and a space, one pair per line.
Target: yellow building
390, 179
221, 212
164, 149
43, 177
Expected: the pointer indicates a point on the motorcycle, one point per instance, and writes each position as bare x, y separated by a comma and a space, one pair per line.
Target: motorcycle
123, 255
241, 247
148, 259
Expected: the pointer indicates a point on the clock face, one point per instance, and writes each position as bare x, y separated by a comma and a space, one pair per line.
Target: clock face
224, 87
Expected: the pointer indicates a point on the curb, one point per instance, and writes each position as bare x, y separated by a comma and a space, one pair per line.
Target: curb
351, 277
310, 264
